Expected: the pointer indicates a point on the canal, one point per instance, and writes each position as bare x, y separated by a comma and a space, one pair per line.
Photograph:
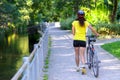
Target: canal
12, 49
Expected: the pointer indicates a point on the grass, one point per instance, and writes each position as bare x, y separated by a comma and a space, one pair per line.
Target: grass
45, 77
113, 48
46, 65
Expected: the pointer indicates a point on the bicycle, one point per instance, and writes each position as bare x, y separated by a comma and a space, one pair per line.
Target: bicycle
92, 58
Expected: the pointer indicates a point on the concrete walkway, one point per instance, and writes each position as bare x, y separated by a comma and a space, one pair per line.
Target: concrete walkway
62, 64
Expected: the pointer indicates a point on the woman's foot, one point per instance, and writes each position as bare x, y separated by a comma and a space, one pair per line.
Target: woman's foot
77, 69
83, 70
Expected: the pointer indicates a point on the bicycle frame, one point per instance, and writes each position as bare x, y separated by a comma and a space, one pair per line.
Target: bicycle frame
90, 53
92, 58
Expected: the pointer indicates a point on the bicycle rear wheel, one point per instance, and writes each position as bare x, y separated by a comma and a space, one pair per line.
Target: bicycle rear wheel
89, 58
95, 65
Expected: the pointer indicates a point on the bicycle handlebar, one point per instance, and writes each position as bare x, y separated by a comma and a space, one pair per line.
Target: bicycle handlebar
91, 38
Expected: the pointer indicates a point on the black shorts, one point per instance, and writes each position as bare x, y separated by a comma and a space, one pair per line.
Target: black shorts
79, 43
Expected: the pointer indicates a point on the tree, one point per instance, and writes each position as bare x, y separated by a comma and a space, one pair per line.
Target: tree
114, 11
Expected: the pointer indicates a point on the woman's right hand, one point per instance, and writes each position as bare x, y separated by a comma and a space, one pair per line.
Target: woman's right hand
97, 34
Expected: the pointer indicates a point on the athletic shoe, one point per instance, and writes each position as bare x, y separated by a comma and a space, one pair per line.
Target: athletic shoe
77, 69
83, 70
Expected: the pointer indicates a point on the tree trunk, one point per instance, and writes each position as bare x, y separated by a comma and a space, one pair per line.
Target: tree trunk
76, 5
113, 15
95, 3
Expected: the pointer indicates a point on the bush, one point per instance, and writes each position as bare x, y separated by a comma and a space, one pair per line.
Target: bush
110, 29
66, 24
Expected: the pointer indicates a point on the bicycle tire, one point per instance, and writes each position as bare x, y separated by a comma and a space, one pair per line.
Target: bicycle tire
95, 65
89, 58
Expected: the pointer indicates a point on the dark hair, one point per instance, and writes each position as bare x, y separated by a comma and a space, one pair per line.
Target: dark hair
80, 18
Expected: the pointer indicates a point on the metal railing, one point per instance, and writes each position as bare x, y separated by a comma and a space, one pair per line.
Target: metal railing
33, 65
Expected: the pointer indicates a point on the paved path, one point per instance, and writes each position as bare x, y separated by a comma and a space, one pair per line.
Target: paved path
62, 63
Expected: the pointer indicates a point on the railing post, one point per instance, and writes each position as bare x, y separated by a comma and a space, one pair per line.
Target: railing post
27, 72
32, 68
41, 56
37, 76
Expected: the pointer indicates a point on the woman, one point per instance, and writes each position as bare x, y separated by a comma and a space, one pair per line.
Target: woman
79, 27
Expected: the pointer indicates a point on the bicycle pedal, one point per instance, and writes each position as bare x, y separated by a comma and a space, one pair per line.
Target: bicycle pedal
99, 61
88, 63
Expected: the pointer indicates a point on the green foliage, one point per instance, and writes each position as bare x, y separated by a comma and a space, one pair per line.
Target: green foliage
96, 15
24, 13
110, 29
113, 48
66, 24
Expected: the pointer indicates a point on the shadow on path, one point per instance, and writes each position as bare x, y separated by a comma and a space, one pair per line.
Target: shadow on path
62, 63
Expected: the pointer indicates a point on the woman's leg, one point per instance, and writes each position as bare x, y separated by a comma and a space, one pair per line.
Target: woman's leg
82, 55
77, 59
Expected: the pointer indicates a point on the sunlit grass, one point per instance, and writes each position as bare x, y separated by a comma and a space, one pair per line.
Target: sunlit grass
113, 48
46, 65
45, 77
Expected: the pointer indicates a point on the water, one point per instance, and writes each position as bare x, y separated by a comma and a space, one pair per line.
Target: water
12, 49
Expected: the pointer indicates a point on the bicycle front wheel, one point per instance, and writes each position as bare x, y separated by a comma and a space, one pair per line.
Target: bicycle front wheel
89, 58
95, 65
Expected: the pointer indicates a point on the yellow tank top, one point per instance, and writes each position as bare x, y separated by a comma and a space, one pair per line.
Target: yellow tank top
80, 31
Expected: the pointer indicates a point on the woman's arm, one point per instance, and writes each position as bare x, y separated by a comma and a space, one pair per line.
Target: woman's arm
93, 30
73, 30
